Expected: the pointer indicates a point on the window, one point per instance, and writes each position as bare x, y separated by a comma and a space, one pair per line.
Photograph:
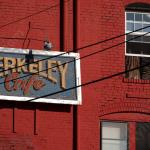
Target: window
114, 136
138, 45
143, 136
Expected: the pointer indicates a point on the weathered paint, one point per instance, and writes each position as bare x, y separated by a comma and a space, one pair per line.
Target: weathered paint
48, 74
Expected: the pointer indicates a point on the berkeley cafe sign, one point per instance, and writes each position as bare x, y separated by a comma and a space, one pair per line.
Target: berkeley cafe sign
39, 76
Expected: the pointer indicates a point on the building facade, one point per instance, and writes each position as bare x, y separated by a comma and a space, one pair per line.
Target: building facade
112, 38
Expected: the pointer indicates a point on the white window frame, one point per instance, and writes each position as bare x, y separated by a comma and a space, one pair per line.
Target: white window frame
113, 140
137, 33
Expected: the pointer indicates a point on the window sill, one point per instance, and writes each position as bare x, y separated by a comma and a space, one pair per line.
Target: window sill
136, 81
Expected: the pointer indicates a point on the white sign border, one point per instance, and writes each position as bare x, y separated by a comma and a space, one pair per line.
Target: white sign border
47, 53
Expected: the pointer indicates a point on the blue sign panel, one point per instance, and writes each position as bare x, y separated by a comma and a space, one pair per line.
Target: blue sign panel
40, 76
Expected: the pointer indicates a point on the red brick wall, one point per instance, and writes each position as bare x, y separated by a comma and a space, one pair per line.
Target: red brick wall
100, 20
50, 127
15, 18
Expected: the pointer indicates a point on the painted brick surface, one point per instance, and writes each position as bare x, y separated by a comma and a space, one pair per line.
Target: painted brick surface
112, 98
26, 24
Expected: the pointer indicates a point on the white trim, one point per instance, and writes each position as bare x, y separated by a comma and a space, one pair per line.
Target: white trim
41, 100
136, 12
139, 55
36, 52
47, 53
138, 42
78, 79
125, 32
137, 22
137, 33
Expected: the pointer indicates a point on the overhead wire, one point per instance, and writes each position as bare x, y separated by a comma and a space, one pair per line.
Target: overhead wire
88, 83
75, 59
63, 53
36, 13
31, 15
17, 38
93, 81
83, 48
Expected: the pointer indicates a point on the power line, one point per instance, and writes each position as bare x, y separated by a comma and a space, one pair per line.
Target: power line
93, 81
90, 82
78, 58
97, 79
36, 13
81, 48
17, 38
115, 37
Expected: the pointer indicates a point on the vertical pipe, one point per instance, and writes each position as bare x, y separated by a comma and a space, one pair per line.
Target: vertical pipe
35, 121
75, 25
100, 135
61, 25
75, 108
13, 119
75, 128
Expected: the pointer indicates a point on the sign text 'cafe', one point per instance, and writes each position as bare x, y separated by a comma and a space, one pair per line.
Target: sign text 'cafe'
48, 73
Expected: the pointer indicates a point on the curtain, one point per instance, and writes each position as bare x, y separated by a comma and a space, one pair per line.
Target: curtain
131, 63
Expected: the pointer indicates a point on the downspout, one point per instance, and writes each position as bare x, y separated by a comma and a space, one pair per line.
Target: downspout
75, 107
61, 36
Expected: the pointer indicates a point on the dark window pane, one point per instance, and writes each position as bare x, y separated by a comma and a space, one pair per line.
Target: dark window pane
138, 6
145, 69
146, 39
138, 48
146, 17
138, 38
130, 16
134, 38
138, 17
129, 37
143, 136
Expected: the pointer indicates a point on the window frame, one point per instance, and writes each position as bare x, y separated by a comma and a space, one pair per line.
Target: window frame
137, 33
114, 121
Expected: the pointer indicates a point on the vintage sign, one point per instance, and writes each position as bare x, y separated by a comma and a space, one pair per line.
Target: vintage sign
39, 76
